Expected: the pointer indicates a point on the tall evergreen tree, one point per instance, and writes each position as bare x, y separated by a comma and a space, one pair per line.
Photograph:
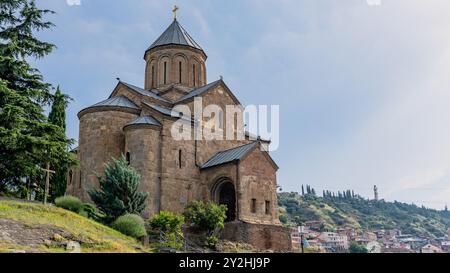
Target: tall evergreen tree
27, 140
118, 193
57, 116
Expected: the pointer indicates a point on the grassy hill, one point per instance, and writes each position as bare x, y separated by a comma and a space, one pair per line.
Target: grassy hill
31, 227
360, 213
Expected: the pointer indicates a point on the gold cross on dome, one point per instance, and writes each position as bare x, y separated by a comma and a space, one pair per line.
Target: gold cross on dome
175, 8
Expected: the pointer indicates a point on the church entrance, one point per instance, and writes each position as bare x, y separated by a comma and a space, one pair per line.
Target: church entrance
225, 194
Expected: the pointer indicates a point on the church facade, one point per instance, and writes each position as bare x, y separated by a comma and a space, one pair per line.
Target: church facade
138, 123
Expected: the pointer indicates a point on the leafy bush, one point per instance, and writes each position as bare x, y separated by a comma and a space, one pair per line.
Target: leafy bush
170, 224
167, 222
131, 225
118, 193
90, 211
209, 217
357, 248
69, 202
211, 241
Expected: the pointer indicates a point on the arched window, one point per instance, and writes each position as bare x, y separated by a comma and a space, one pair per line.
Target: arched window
70, 177
179, 158
268, 207
253, 205
221, 119
165, 72
180, 72
193, 74
128, 156
153, 76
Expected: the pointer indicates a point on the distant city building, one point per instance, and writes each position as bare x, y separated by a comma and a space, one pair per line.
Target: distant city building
333, 241
429, 248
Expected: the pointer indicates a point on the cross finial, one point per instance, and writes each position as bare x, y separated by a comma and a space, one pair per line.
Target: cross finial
175, 8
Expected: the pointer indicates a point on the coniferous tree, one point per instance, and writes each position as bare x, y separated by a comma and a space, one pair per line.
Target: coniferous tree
57, 116
27, 140
303, 190
118, 193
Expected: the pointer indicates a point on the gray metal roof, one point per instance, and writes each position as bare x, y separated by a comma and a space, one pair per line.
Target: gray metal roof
175, 34
149, 120
229, 155
198, 91
168, 112
144, 92
162, 110
118, 101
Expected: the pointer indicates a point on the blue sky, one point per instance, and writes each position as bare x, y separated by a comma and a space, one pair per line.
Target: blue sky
363, 90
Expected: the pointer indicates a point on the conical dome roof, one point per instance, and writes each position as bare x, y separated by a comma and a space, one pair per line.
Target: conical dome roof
175, 34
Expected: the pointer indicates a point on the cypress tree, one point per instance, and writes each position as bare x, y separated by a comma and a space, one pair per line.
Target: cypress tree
57, 116
118, 193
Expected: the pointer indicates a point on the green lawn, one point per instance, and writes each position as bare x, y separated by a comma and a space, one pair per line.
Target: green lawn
93, 236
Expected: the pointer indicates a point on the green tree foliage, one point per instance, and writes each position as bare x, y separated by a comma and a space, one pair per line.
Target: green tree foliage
57, 116
170, 224
27, 139
167, 222
207, 216
130, 224
359, 213
118, 193
357, 248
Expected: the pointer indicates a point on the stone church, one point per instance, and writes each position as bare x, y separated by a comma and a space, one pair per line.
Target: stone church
136, 122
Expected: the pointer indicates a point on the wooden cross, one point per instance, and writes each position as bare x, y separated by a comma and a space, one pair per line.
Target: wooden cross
47, 181
175, 8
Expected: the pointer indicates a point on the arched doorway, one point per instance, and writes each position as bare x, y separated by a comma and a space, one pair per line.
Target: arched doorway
225, 194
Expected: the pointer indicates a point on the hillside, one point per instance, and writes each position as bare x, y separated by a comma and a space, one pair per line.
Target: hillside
31, 227
360, 213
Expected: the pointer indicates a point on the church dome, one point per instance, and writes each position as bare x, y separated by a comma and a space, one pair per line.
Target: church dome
175, 34
174, 59
113, 103
144, 121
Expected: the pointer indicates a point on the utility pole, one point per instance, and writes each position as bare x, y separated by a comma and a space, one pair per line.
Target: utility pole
47, 181
301, 231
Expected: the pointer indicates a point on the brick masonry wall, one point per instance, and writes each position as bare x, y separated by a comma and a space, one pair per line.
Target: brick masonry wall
272, 237
100, 139
258, 181
143, 142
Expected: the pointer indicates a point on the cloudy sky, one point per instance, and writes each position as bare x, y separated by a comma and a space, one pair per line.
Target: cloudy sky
364, 90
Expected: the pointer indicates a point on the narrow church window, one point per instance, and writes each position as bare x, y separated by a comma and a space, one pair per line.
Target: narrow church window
165, 72
193, 73
153, 76
179, 158
70, 177
180, 72
267, 207
253, 206
221, 119
128, 158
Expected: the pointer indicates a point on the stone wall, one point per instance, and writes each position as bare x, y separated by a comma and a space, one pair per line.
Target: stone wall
173, 55
143, 144
100, 139
258, 182
276, 238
